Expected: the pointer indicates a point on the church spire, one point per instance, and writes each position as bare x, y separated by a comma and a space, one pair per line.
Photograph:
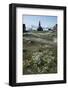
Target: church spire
39, 24
39, 27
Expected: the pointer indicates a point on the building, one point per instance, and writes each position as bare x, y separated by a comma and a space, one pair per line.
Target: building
55, 27
24, 28
39, 27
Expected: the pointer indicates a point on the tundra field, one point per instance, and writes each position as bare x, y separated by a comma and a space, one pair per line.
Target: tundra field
39, 52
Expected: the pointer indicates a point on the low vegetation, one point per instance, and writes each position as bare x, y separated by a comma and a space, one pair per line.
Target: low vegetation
39, 52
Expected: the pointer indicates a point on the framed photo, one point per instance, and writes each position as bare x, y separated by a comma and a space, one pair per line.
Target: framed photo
37, 44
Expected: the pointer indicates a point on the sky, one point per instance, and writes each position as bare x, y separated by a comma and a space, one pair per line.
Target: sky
33, 20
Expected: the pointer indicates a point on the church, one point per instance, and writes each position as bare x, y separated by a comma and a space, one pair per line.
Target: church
39, 27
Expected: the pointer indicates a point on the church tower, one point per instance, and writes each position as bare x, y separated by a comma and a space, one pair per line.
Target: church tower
39, 27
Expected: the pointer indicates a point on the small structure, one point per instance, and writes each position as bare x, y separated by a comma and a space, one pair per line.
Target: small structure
39, 27
55, 27
24, 28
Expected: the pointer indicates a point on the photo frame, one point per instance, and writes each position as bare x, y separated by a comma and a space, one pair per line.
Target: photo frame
37, 44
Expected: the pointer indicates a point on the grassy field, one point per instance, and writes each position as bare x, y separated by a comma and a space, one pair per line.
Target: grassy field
39, 52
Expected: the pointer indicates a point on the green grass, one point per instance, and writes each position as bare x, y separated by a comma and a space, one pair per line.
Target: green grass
39, 57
